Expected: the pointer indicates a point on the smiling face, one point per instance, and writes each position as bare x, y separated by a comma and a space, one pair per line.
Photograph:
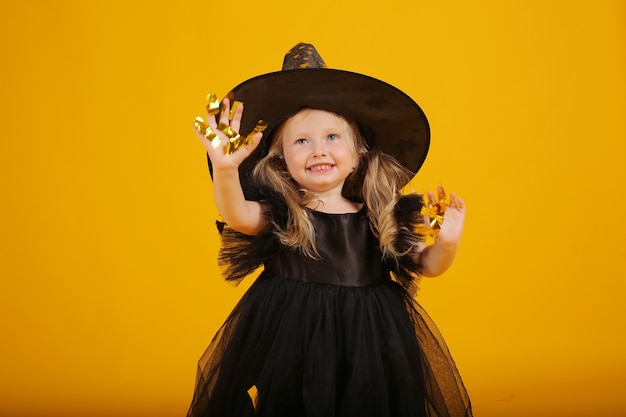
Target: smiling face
319, 150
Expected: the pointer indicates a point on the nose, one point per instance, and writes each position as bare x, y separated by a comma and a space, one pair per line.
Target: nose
319, 149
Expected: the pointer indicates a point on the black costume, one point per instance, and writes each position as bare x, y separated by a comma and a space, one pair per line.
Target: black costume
341, 335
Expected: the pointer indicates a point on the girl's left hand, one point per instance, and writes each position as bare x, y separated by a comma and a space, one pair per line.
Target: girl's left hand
453, 219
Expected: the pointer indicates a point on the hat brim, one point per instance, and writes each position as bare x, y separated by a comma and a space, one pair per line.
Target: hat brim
388, 118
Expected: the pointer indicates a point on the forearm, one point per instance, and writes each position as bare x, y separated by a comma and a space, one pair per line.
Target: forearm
239, 213
437, 258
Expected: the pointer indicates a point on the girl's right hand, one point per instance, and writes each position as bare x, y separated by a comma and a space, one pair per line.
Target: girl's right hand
220, 160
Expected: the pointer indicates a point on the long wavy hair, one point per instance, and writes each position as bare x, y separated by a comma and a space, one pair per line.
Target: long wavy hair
377, 181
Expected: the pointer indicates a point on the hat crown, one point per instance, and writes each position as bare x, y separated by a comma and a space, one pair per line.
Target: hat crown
302, 56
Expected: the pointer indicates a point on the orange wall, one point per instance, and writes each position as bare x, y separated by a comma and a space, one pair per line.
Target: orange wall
110, 291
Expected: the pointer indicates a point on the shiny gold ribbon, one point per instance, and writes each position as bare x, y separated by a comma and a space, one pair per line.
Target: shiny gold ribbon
213, 104
207, 132
235, 140
233, 108
435, 211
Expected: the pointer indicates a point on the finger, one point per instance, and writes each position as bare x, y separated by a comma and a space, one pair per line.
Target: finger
199, 126
208, 144
223, 115
212, 108
460, 203
441, 192
431, 198
207, 135
453, 200
256, 139
225, 111
456, 202
243, 151
235, 123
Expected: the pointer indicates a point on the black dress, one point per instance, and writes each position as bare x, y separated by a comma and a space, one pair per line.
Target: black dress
340, 335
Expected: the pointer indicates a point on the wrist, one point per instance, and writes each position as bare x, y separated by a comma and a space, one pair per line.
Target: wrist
225, 171
445, 245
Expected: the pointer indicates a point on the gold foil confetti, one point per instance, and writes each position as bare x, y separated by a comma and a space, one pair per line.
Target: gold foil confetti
253, 392
235, 140
233, 144
260, 127
216, 141
213, 106
435, 212
233, 108
227, 130
200, 125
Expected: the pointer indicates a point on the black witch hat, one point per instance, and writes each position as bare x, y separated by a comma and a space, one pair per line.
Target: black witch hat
389, 119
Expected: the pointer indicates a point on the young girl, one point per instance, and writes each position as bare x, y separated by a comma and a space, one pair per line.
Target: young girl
331, 326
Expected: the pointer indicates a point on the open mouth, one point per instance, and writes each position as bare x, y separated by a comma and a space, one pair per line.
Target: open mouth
321, 168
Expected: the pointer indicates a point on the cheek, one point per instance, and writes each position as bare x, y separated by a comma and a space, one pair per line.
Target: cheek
288, 156
295, 155
292, 161
352, 155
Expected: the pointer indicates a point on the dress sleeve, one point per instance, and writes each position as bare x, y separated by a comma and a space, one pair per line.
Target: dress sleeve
406, 270
241, 254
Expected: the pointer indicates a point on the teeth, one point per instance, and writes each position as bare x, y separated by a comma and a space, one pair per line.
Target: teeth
320, 167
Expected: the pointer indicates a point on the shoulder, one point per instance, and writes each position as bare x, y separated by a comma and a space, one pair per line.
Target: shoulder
273, 205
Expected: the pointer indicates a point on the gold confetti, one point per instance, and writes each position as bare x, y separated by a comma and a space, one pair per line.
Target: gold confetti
233, 108
213, 106
235, 140
253, 392
435, 211
260, 127
227, 130
199, 124
216, 141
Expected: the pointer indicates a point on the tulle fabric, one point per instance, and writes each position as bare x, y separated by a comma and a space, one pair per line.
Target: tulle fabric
320, 350
336, 336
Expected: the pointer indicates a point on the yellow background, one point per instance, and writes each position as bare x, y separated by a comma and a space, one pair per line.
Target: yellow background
109, 290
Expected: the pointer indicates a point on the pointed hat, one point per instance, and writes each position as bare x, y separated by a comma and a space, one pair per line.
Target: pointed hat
389, 119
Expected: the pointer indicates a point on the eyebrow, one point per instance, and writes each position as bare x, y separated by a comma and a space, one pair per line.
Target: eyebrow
334, 131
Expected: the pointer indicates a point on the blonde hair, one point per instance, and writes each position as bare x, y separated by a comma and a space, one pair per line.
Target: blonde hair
378, 179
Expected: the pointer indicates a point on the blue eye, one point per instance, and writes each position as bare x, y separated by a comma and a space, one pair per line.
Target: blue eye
301, 141
332, 137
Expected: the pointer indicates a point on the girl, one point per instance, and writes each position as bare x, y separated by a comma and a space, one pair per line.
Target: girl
330, 327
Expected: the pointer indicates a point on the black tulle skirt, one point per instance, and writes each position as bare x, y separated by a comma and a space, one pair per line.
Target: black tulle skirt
291, 348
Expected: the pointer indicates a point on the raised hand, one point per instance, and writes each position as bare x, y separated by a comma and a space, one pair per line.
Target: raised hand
215, 137
453, 219
240, 214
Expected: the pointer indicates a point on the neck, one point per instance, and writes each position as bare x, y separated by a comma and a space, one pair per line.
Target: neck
332, 203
